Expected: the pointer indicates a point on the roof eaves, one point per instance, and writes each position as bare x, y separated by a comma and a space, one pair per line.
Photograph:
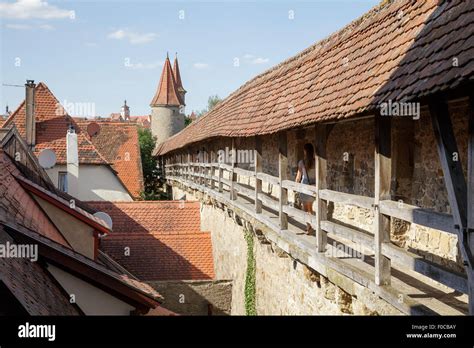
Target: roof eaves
89, 269
62, 204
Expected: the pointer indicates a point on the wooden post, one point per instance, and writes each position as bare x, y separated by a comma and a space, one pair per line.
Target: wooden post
193, 168
320, 164
206, 168
200, 168
188, 168
211, 172
233, 195
383, 177
470, 202
282, 175
258, 169
219, 179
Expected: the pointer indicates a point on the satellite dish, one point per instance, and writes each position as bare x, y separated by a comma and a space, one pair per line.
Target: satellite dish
105, 218
47, 158
93, 129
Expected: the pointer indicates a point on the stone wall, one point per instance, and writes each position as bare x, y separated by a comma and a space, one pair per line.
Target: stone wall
284, 286
196, 297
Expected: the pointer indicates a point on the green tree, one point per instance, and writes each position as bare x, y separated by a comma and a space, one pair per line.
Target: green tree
212, 101
150, 172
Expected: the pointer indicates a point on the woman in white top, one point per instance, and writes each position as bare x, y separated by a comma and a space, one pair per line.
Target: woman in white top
307, 175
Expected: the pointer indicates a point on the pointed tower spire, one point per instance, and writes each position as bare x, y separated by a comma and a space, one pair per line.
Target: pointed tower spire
167, 92
177, 78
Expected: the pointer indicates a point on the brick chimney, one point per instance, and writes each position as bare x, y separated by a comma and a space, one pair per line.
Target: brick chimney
30, 125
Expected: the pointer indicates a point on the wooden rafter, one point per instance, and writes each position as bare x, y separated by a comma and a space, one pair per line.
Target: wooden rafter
455, 181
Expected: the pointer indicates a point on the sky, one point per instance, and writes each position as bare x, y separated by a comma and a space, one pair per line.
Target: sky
95, 54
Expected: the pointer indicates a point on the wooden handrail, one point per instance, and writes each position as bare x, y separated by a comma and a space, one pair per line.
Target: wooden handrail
347, 198
397, 255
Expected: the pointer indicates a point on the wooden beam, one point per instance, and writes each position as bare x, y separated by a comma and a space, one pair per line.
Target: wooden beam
470, 202
233, 176
455, 182
320, 162
282, 175
417, 263
450, 160
188, 168
258, 169
211, 173
347, 198
383, 176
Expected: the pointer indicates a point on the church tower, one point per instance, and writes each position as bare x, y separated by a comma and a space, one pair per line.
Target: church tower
125, 112
166, 105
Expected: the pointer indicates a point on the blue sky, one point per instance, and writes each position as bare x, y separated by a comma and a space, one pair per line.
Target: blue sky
107, 51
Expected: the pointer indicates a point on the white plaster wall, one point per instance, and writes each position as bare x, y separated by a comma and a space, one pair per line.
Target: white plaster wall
92, 300
96, 183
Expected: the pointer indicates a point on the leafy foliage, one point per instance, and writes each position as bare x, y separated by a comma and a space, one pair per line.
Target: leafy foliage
250, 307
212, 101
150, 172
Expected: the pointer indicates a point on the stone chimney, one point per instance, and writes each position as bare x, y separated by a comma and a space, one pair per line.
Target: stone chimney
72, 155
30, 125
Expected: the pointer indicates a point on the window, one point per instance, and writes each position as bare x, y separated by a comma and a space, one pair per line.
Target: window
62, 181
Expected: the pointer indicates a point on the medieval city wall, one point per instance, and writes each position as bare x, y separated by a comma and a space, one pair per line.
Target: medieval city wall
418, 177
284, 285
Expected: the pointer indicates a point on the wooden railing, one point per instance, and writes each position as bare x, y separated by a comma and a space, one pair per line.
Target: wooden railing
202, 176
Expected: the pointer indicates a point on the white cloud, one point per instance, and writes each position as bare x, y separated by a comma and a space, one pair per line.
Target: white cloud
259, 60
28, 27
252, 59
46, 27
132, 37
144, 66
201, 65
26, 9
18, 26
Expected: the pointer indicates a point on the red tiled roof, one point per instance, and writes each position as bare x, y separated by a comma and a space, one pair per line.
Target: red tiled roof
115, 116
22, 219
90, 269
31, 285
401, 49
164, 238
143, 121
118, 143
52, 123
167, 92
177, 76
163, 257
156, 217
63, 204
17, 204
